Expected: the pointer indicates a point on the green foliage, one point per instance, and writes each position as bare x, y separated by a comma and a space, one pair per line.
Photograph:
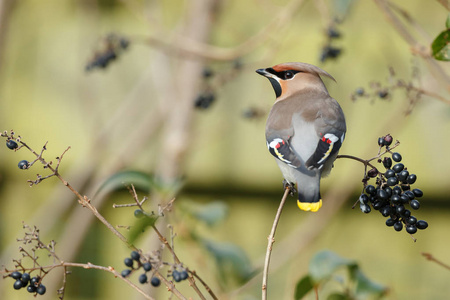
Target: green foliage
141, 181
322, 269
211, 213
303, 287
440, 46
140, 226
232, 262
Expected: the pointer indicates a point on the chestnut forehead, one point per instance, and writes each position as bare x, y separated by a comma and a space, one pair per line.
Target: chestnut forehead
282, 67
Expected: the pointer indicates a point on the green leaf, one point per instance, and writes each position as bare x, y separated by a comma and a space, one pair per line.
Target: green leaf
140, 226
447, 23
440, 46
303, 287
231, 261
211, 213
141, 181
338, 296
325, 263
364, 286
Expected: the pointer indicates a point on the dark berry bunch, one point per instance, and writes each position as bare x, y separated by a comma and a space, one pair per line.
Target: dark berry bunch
12, 144
136, 262
385, 91
392, 195
33, 284
111, 47
329, 51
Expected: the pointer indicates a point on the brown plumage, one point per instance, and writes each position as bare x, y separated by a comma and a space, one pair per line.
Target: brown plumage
305, 128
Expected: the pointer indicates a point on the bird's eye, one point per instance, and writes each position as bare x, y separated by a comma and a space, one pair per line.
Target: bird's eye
288, 74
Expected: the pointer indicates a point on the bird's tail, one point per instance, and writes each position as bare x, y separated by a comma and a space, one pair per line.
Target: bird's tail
309, 206
309, 198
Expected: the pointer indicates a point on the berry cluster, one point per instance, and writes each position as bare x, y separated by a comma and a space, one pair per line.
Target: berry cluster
329, 51
12, 144
33, 284
111, 47
147, 267
392, 192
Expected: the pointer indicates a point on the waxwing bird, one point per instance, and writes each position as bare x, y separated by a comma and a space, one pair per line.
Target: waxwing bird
305, 128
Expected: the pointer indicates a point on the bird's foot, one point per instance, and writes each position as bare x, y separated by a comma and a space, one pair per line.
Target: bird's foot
290, 186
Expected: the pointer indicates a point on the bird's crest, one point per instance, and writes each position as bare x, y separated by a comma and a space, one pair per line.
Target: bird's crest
302, 67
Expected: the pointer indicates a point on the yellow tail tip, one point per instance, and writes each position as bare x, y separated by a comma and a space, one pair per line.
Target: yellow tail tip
310, 206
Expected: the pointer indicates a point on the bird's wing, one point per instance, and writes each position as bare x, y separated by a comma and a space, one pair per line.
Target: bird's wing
281, 149
330, 125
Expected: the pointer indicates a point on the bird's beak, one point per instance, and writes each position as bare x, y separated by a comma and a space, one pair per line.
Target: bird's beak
263, 72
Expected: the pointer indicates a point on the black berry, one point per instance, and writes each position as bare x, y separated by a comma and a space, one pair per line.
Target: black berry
155, 281
400, 208
396, 199
421, 224
125, 273
415, 204
418, 193
184, 275
412, 220
359, 91
387, 162
147, 266
392, 181
365, 208
403, 175
409, 194
31, 289
390, 222
381, 194
128, 262
411, 178
383, 94
143, 278
26, 277
41, 289
23, 164
35, 280
372, 172
18, 284
389, 173
396, 190
411, 229
11, 144
388, 140
385, 211
135, 255
176, 276
381, 141
398, 167
396, 157
138, 213
370, 189
398, 226
16, 275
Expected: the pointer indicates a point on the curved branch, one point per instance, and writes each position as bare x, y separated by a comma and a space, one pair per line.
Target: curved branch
271, 240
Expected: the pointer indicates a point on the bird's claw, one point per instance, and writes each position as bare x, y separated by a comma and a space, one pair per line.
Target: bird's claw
290, 186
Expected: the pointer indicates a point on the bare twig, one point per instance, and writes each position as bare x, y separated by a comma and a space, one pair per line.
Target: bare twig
271, 240
430, 257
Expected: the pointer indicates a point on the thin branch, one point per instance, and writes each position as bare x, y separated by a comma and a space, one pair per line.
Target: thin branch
438, 72
190, 279
430, 257
271, 240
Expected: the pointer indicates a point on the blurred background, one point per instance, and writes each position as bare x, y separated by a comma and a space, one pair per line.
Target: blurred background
168, 88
